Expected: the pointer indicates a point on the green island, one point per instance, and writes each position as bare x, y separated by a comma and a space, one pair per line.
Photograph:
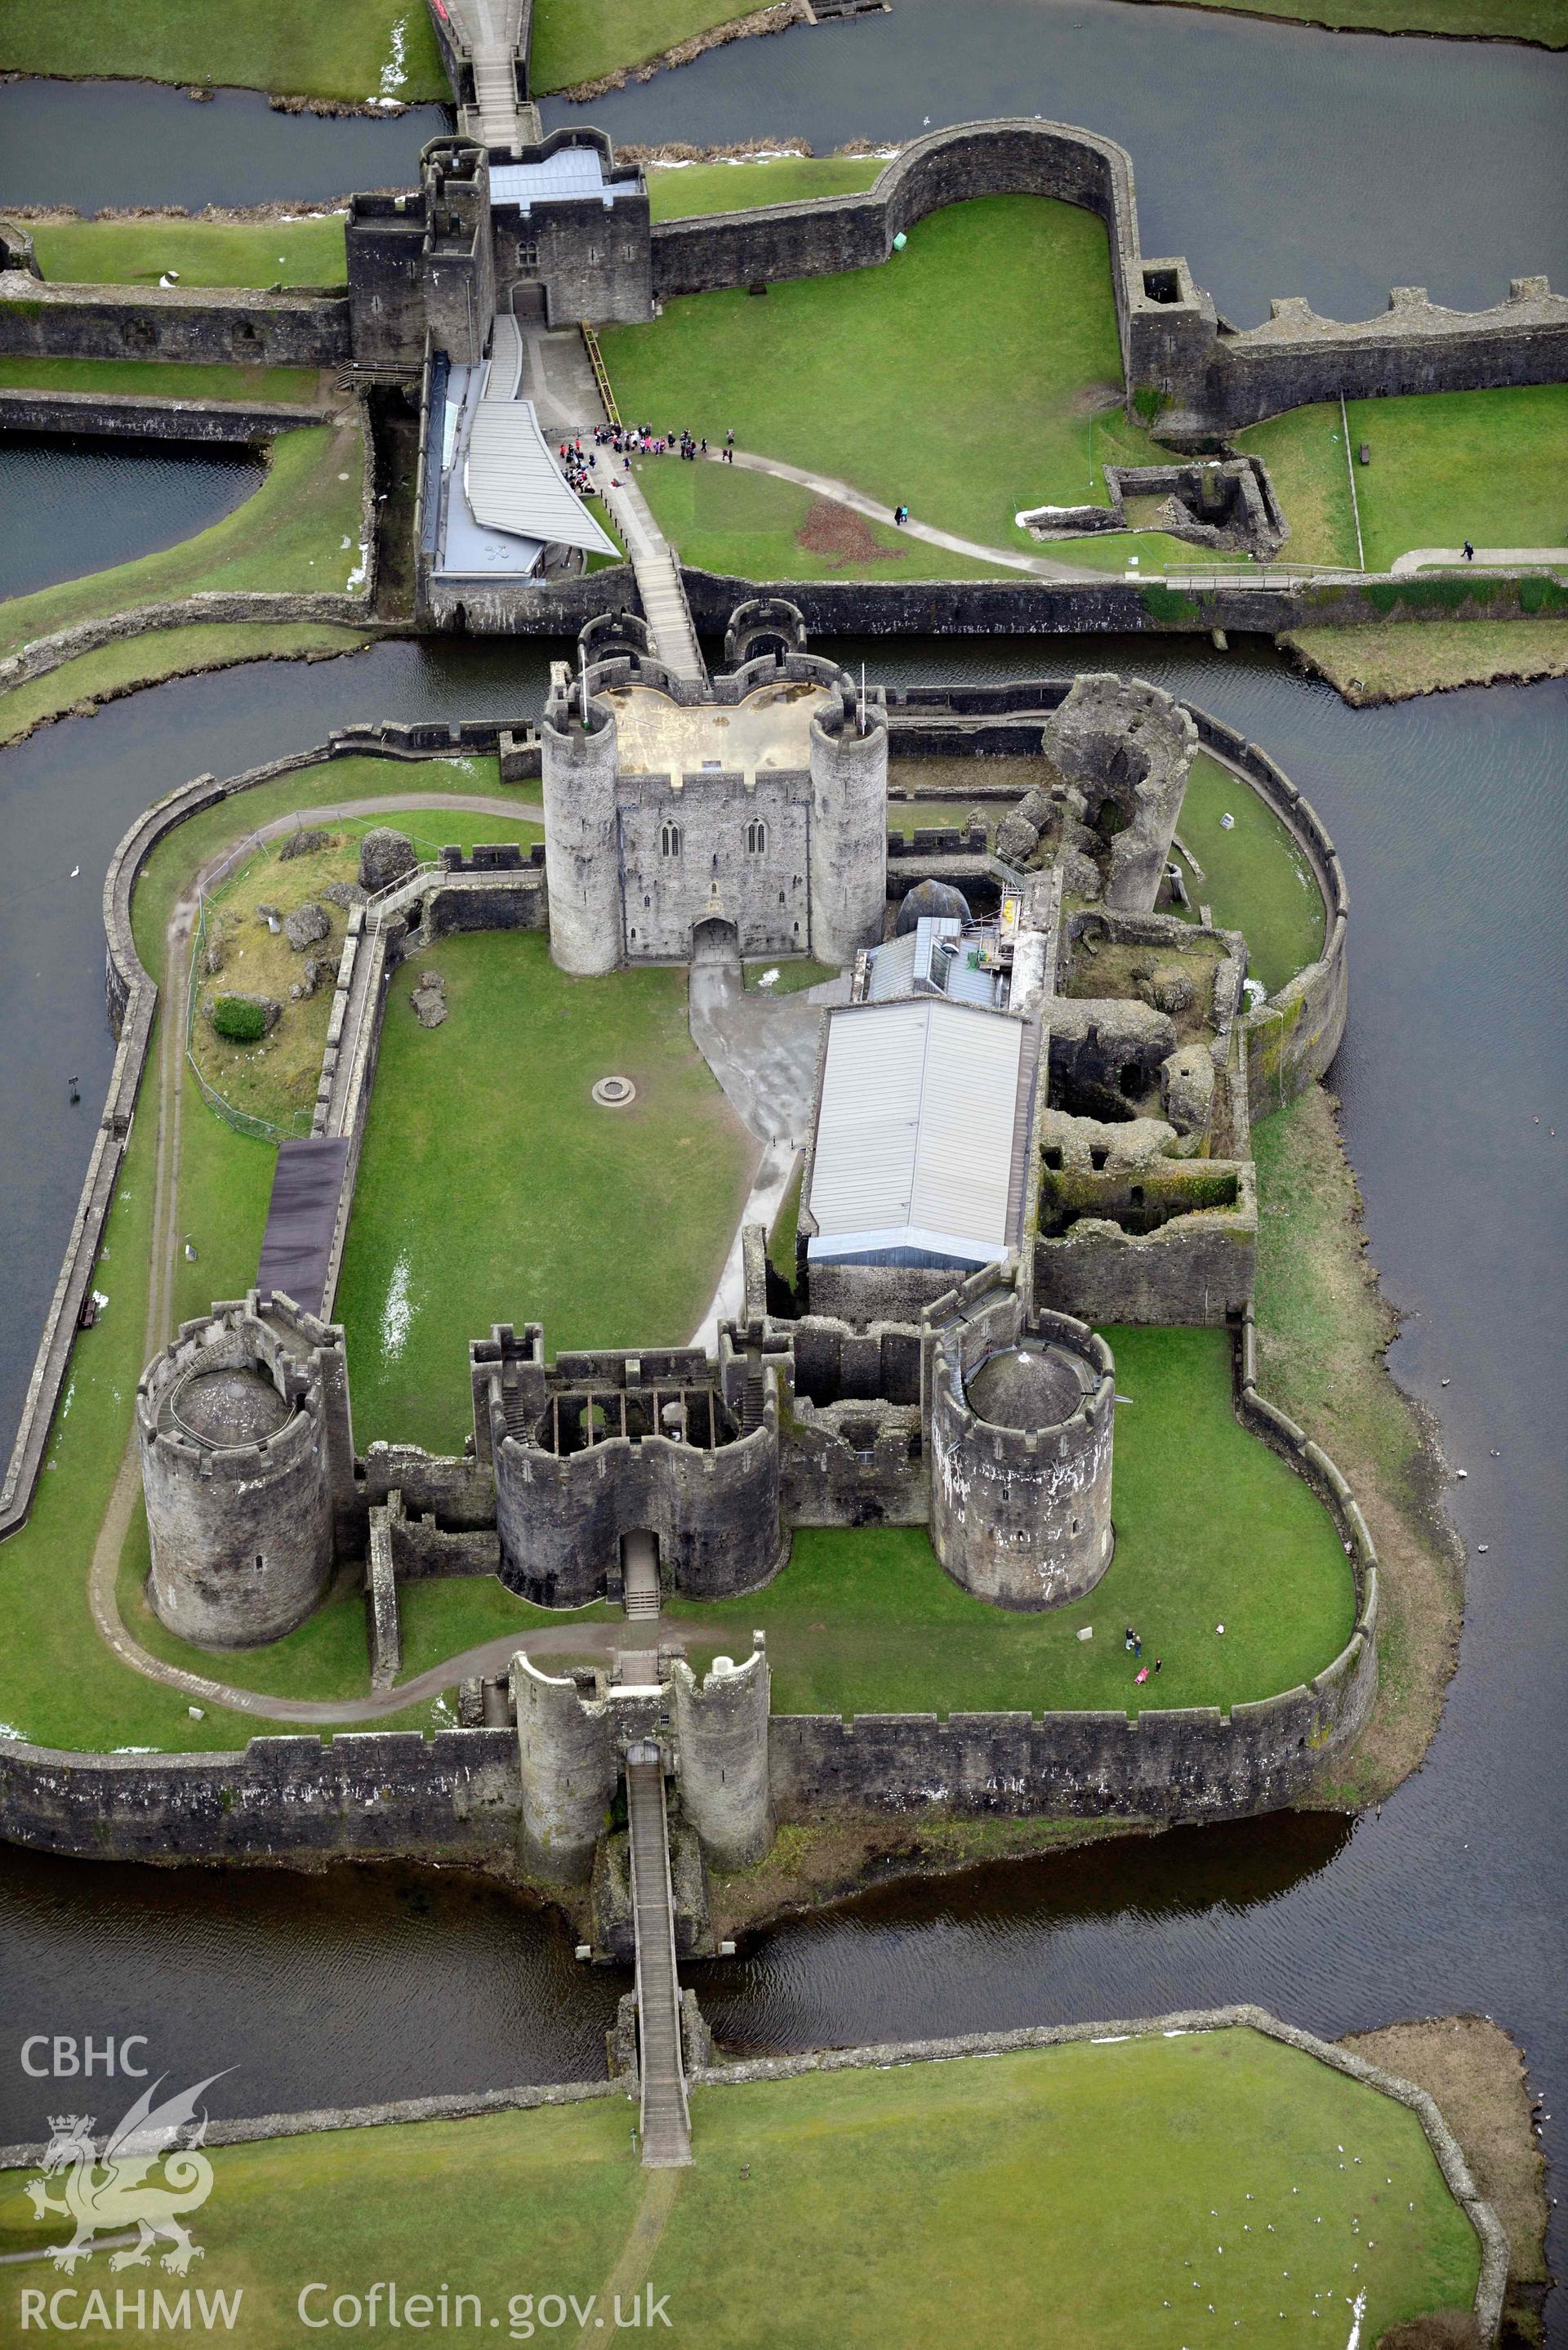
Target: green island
657, 1318
299, 533
1064, 2190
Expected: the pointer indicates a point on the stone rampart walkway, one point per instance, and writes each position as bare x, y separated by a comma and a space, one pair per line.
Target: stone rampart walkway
1485, 559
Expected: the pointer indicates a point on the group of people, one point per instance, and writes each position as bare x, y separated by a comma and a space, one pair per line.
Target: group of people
580, 465
1133, 1643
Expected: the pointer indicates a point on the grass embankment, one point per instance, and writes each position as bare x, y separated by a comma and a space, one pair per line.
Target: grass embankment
584, 40
1019, 380
1211, 1529
160, 378
276, 1078
1323, 1330
493, 1188
1489, 466
298, 534
205, 253
1477, 2073
1255, 879
683, 190
78, 688
1544, 21
354, 51
59, 1684
1079, 2194
1394, 660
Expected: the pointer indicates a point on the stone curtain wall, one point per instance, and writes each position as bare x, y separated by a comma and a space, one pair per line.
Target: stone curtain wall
824, 234
135, 417
40, 320
1170, 336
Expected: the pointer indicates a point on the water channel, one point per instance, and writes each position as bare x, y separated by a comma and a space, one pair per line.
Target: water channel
1344, 164
74, 505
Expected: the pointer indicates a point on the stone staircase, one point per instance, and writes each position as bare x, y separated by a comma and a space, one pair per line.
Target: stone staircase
665, 2117
753, 1398
641, 1566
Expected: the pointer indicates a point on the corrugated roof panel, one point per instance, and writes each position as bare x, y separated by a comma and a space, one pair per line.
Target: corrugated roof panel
915, 1130
513, 482
965, 1157
569, 171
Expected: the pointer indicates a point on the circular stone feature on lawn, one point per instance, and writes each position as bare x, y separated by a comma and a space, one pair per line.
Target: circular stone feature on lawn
614, 1093
234, 1406
1028, 1387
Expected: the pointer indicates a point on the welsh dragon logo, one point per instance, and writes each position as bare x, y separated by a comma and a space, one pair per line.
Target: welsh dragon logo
112, 2190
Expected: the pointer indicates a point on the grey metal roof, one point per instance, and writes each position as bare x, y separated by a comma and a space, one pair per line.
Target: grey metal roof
513, 482
571, 171
933, 958
917, 1128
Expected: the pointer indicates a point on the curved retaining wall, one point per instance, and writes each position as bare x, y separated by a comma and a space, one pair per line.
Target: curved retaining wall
825, 235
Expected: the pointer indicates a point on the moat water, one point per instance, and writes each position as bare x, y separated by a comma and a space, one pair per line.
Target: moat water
74, 505
1279, 159
1451, 815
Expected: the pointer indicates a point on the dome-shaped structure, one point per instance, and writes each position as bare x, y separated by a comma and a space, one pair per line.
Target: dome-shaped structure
931, 901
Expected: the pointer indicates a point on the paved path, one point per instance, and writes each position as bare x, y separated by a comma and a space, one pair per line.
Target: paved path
1485, 559
567, 401
1038, 566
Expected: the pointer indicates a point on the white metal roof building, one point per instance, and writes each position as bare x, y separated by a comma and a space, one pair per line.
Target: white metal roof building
570, 171
922, 1128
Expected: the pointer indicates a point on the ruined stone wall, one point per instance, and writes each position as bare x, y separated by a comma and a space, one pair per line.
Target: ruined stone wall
1199, 1267
721, 1739
715, 1514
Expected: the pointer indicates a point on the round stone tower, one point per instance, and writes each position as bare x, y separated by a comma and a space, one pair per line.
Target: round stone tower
578, 760
238, 1482
1022, 1425
722, 1737
567, 1753
848, 826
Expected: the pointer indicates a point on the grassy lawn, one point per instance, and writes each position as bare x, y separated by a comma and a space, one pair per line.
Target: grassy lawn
58, 1685
1391, 661
752, 526
160, 378
1212, 1528
491, 1189
130, 662
205, 253
356, 50
1255, 878
1019, 381
1495, 20
681, 191
276, 1078
1489, 466
580, 40
1081, 2195
300, 531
